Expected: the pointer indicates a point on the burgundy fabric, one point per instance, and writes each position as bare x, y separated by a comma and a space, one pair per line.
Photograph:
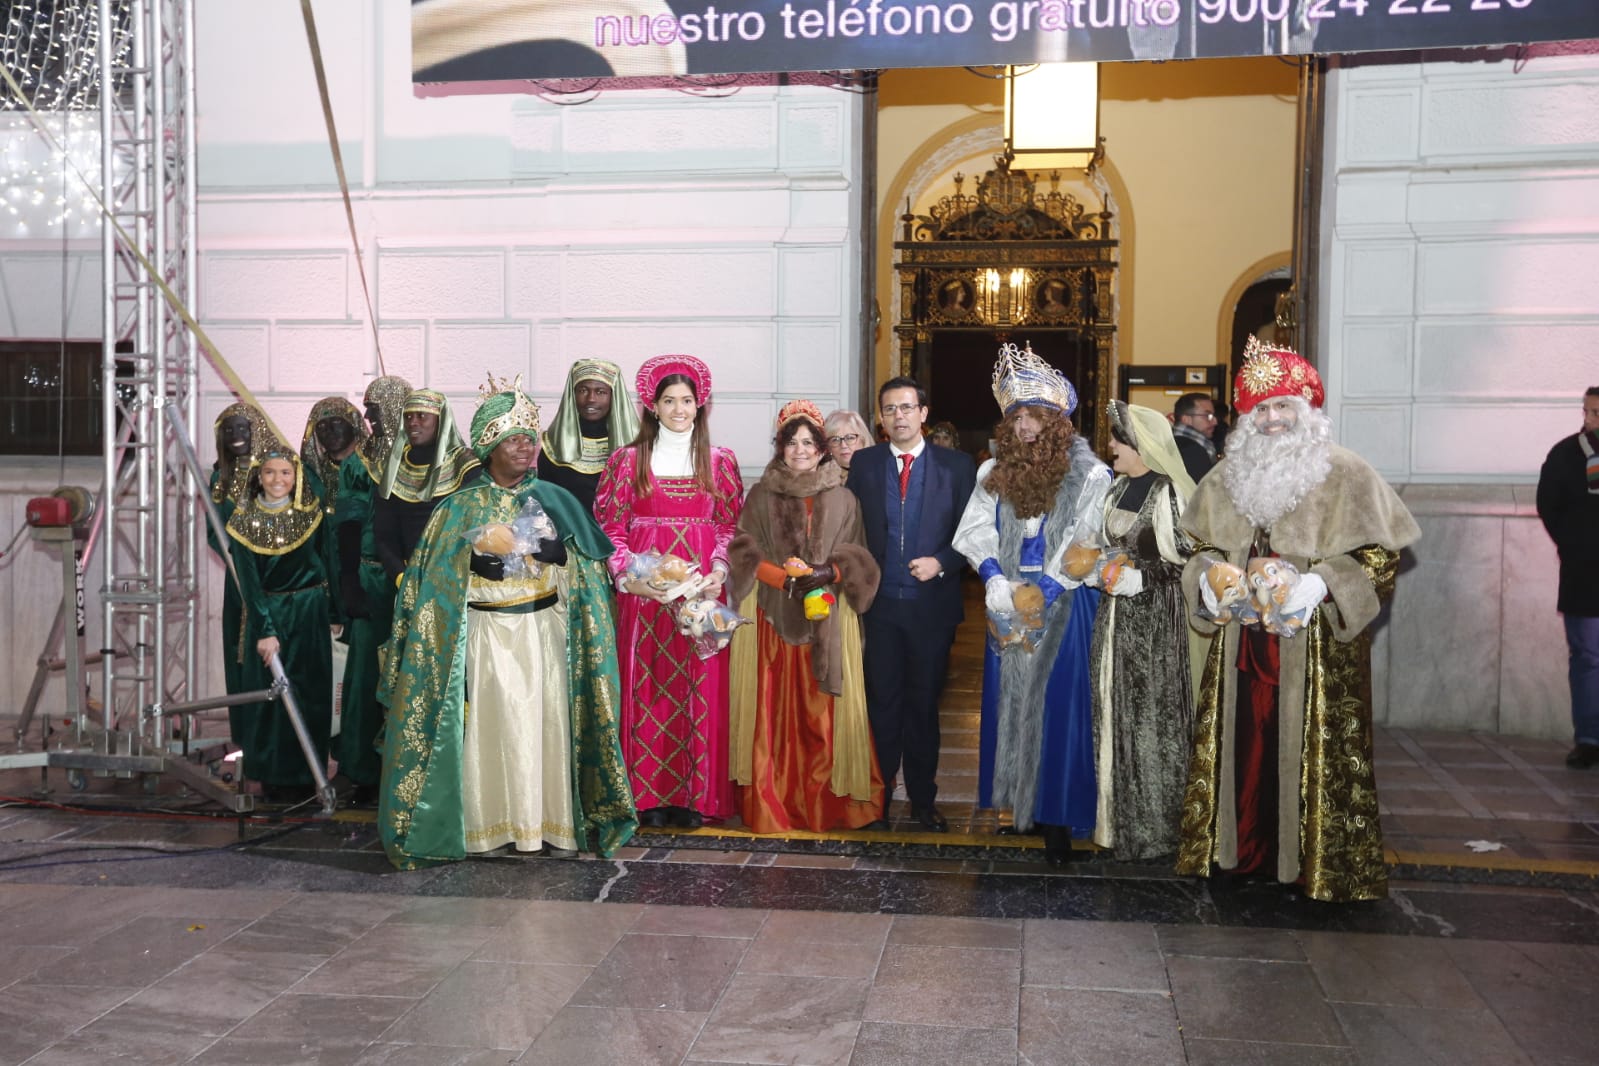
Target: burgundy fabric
1255, 751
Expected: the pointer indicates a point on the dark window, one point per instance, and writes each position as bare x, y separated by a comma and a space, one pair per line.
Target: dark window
50, 398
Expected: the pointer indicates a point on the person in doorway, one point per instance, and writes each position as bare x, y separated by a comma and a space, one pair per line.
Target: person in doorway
276, 536
1043, 490
534, 761
945, 435
432, 463
1568, 504
911, 494
1194, 429
801, 741
365, 596
595, 418
1281, 781
672, 492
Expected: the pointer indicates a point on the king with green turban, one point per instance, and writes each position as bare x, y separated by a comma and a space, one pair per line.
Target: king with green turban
535, 760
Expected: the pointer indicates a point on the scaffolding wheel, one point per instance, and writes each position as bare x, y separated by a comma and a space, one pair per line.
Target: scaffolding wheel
77, 780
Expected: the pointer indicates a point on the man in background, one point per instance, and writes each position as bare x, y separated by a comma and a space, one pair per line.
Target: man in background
1194, 426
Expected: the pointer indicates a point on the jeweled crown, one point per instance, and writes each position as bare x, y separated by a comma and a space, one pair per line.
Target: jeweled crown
1021, 377
523, 415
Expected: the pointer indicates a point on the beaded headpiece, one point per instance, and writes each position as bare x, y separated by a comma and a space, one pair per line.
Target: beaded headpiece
1022, 378
799, 409
1270, 371
664, 366
503, 411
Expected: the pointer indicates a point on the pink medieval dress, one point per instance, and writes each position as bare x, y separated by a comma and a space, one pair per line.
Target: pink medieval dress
674, 705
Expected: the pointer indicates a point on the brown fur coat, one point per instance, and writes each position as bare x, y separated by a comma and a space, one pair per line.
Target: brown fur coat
775, 524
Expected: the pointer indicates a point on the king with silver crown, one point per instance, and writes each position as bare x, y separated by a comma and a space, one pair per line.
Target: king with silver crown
1022, 379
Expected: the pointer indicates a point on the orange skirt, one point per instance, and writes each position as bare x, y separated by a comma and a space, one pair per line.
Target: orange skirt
792, 757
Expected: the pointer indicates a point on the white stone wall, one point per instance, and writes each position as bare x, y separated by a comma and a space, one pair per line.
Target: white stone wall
1458, 326
502, 234
1459, 286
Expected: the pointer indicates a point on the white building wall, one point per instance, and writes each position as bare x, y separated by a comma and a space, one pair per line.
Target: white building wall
501, 234
1458, 327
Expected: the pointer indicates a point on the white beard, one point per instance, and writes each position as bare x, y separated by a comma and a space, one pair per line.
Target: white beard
1268, 476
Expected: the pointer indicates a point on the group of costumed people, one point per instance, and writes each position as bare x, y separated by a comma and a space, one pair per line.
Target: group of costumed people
1174, 672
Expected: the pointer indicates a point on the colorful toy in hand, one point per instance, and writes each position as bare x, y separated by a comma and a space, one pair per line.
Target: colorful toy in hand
1271, 582
517, 540
1024, 627
818, 603
709, 624
1093, 566
667, 576
1229, 589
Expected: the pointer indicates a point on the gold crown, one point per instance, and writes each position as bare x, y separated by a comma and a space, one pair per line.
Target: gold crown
523, 414
1021, 377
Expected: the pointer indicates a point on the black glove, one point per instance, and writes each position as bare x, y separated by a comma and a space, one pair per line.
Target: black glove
821, 575
552, 552
488, 567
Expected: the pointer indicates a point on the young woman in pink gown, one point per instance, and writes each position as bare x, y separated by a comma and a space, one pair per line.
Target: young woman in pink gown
671, 491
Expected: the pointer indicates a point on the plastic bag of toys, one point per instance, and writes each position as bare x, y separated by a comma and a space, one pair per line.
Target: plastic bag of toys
516, 540
1224, 594
668, 577
1023, 627
709, 624
1272, 584
1093, 565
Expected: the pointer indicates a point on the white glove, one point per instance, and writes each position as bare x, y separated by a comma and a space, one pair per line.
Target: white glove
1307, 592
1207, 595
1130, 582
997, 595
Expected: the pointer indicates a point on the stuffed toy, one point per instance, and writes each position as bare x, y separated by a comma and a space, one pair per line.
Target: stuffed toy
1229, 589
1024, 627
709, 624
818, 603
1080, 560
1271, 582
667, 575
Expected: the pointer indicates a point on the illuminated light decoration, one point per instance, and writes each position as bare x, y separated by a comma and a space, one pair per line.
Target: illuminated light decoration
51, 48
1052, 116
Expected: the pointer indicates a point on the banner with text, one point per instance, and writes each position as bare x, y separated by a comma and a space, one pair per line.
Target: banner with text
507, 40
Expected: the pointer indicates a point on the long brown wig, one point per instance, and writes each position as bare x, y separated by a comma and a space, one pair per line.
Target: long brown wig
699, 445
1029, 475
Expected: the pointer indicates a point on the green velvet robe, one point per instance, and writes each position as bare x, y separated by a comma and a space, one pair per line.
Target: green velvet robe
356, 745
424, 681
284, 596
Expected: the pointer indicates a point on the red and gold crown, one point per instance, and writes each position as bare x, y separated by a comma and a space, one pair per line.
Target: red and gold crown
1271, 371
799, 409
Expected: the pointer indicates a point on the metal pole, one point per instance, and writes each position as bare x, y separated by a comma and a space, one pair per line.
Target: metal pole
291, 707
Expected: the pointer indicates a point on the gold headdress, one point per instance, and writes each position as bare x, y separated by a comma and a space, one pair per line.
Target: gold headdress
799, 409
1021, 377
504, 410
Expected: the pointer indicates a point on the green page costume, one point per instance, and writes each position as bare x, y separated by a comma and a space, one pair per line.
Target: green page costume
424, 682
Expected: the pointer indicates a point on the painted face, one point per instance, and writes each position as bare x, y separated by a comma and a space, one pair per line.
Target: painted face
277, 479
1029, 424
235, 435
374, 416
1276, 415
512, 458
421, 428
903, 415
843, 444
1202, 418
593, 400
335, 435
803, 452
675, 407
1590, 414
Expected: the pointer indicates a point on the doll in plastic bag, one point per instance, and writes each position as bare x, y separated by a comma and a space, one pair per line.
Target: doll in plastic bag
709, 624
1023, 627
1284, 597
1224, 594
664, 577
516, 541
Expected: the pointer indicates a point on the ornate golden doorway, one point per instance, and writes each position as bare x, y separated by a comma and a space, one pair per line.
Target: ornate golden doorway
1008, 263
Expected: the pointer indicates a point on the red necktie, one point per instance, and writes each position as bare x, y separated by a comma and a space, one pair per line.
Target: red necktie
905, 461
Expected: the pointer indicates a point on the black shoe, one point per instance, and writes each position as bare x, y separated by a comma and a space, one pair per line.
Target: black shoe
654, 818
1583, 756
1012, 831
876, 825
364, 796
930, 819
1058, 845
684, 817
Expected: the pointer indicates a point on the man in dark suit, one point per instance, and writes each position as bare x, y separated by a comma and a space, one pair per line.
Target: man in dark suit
912, 495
